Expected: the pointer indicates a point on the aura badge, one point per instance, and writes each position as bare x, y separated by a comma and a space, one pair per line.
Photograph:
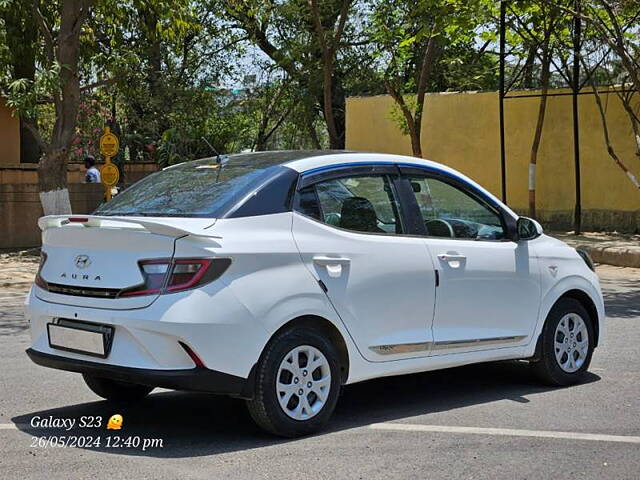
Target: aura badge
83, 261
553, 270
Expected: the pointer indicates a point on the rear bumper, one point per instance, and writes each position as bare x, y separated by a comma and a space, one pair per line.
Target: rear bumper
192, 379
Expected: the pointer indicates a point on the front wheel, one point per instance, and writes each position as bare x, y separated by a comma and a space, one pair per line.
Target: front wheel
297, 384
567, 344
115, 390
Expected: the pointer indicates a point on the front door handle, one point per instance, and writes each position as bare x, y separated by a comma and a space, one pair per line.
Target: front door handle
332, 264
453, 259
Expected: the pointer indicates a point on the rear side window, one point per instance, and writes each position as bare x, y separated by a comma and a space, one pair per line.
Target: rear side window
195, 189
360, 203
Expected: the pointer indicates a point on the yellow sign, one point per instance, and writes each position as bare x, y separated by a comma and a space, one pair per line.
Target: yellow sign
109, 174
109, 143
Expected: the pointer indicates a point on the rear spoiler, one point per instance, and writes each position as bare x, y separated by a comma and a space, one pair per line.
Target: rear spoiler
167, 226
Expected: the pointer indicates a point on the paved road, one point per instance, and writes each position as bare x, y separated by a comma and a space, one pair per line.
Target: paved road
484, 421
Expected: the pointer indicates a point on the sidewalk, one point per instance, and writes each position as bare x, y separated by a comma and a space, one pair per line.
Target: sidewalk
611, 248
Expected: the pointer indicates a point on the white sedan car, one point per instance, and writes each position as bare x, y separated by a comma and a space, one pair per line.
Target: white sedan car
278, 277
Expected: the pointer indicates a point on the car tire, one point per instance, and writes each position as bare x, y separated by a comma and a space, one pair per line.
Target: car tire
287, 385
563, 358
115, 390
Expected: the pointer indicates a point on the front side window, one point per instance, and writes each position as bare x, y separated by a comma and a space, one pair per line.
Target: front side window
359, 203
449, 212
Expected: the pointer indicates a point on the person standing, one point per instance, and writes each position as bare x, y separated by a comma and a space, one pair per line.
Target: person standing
93, 174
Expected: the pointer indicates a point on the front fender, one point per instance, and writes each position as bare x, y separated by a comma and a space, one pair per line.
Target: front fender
566, 284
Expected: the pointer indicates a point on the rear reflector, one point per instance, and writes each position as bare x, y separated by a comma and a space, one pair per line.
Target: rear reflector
196, 359
78, 219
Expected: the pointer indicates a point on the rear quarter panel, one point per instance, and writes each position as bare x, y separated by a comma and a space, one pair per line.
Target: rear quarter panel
268, 281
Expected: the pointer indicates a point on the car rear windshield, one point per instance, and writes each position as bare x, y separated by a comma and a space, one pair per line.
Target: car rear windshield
201, 188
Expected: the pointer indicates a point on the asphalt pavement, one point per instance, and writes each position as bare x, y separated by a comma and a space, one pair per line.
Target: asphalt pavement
482, 421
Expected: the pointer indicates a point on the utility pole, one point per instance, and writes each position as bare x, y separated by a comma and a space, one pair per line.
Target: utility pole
577, 27
503, 160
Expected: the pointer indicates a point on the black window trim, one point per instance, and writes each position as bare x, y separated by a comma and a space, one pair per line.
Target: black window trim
391, 171
284, 179
341, 171
409, 171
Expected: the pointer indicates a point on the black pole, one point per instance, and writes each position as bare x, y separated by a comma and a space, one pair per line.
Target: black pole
503, 160
577, 26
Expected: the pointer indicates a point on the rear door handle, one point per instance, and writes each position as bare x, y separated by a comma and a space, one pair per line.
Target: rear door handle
448, 257
332, 264
324, 261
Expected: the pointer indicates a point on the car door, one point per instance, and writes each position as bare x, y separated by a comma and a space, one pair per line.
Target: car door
489, 290
349, 228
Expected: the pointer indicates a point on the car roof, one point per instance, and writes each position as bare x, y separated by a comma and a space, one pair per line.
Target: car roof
306, 161
330, 159
333, 158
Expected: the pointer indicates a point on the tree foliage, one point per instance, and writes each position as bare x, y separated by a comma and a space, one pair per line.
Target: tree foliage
274, 74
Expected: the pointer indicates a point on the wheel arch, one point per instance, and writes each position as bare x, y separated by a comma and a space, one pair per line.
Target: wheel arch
325, 326
586, 300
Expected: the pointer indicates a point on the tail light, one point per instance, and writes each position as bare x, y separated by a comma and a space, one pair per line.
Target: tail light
39, 281
170, 276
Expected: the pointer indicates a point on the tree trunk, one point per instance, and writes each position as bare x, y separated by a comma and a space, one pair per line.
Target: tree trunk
542, 109
537, 136
329, 44
633, 119
607, 140
52, 168
327, 102
52, 183
311, 128
428, 61
527, 70
414, 135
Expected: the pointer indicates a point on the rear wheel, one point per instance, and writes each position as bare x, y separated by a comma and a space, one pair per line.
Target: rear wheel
115, 390
297, 384
567, 344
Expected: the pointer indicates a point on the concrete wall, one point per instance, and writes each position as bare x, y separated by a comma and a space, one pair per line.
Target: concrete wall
28, 172
461, 130
20, 202
9, 136
20, 209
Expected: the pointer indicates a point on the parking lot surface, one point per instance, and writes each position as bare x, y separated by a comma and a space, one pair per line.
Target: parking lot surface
480, 421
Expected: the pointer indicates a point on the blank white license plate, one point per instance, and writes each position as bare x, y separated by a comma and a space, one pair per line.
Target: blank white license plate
80, 337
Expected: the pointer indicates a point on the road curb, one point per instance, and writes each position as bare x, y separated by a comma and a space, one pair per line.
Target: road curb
621, 257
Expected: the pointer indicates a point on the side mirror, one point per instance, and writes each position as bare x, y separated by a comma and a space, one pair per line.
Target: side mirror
528, 228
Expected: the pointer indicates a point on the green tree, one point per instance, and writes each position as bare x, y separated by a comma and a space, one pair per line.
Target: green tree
56, 81
410, 38
309, 42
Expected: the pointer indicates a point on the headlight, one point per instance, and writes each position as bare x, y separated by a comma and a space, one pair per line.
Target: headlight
587, 259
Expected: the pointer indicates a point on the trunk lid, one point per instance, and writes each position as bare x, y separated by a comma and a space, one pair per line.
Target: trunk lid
91, 259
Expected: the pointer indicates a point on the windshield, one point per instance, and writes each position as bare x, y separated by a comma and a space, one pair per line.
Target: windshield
202, 188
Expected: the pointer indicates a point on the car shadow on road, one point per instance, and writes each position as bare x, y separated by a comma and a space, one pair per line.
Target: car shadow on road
624, 301
192, 424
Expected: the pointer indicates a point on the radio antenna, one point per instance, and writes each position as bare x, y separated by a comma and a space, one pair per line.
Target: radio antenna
218, 159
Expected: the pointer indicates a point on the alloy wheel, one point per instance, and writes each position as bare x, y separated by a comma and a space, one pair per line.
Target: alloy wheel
303, 382
571, 342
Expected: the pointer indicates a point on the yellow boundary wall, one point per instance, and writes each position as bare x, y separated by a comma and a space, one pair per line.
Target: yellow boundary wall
462, 130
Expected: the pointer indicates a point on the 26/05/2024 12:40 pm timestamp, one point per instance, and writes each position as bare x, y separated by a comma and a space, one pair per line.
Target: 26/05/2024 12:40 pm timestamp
90, 441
